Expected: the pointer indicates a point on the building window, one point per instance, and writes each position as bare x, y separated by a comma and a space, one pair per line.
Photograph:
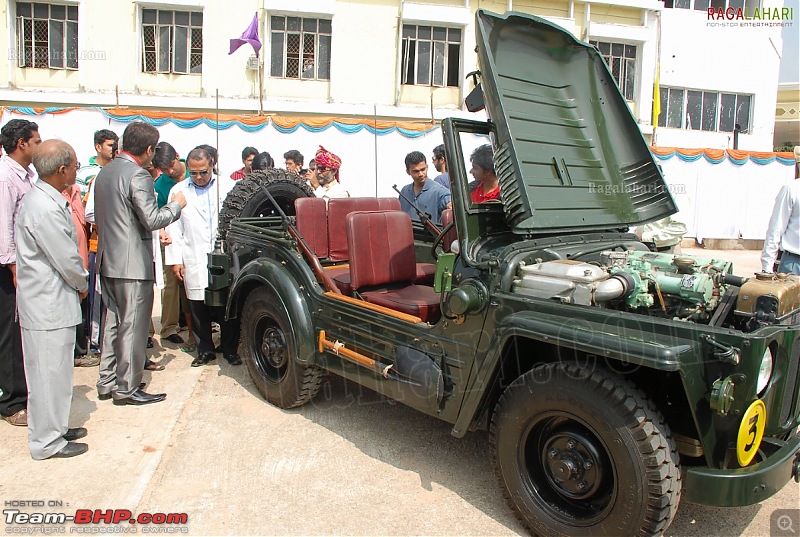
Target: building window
703, 5
621, 60
704, 110
431, 56
47, 36
301, 48
172, 41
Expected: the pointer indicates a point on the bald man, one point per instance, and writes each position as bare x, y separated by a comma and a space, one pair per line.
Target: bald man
51, 282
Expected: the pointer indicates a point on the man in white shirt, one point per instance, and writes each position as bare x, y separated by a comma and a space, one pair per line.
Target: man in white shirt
193, 236
327, 173
784, 227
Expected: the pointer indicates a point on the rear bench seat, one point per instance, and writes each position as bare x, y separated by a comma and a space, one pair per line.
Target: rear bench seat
324, 230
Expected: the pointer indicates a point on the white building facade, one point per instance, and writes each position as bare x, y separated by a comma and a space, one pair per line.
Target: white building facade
385, 59
719, 72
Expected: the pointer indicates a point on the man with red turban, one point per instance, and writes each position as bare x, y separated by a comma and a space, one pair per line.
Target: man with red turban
327, 172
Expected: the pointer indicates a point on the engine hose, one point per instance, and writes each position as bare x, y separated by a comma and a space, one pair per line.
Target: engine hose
620, 285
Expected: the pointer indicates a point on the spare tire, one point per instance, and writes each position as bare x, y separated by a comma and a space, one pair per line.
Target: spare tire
247, 199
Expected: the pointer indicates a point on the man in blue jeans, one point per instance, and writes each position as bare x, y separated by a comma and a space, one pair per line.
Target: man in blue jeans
784, 227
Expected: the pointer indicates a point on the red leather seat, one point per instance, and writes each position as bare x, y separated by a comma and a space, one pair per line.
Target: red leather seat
312, 224
383, 264
426, 273
341, 276
339, 208
452, 235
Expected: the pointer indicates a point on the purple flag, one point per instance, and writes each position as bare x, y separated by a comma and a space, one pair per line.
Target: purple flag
249, 36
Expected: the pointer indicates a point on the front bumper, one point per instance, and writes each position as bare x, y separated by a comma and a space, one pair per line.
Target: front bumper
745, 486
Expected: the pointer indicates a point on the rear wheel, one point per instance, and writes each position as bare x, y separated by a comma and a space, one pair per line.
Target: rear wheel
583, 452
247, 199
268, 348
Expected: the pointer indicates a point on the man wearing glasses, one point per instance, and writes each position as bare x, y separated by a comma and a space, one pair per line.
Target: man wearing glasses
51, 271
193, 236
327, 173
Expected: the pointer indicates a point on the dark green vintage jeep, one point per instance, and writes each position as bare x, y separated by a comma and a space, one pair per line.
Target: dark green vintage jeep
613, 380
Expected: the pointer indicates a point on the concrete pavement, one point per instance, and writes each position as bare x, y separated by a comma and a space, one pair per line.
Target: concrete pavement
349, 463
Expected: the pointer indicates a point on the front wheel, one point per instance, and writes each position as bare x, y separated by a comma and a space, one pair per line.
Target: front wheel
268, 348
584, 452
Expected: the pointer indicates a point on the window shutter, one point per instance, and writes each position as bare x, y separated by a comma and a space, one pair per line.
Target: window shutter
21, 38
55, 45
72, 45
180, 58
163, 41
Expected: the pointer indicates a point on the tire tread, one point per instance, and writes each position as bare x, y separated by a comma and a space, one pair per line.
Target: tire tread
653, 439
308, 377
247, 188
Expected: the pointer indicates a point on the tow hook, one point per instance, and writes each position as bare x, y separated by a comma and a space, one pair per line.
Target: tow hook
796, 468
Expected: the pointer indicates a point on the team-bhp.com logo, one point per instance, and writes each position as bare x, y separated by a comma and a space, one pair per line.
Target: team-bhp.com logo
85, 519
764, 16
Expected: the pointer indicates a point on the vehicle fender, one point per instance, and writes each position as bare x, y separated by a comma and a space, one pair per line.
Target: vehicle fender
264, 272
631, 345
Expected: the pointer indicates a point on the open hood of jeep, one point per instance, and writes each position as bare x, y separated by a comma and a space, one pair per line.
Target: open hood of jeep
569, 155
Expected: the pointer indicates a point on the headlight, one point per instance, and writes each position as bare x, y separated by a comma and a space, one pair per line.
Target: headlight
764, 372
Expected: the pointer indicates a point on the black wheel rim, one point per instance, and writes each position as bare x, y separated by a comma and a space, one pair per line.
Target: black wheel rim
567, 470
268, 209
269, 349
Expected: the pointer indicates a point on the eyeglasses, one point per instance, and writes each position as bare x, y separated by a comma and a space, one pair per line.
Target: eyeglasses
322, 169
77, 165
198, 173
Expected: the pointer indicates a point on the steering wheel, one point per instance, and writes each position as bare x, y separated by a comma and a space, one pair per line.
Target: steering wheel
438, 240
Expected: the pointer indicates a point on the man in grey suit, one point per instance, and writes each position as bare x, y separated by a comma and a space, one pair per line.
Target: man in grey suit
51, 282
126, 213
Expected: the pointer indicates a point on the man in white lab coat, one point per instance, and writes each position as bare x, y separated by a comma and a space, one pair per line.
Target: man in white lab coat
193, 236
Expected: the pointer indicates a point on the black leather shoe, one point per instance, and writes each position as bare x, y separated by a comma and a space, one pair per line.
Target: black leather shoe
74, 434
150, 343
70, 450
233, 359
174, 338
139, 397
203, 359
107, 396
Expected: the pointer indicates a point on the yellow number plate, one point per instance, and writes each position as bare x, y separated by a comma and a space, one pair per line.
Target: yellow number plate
751, 431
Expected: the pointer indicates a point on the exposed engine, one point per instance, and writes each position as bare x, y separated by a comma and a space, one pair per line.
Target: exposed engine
680, 287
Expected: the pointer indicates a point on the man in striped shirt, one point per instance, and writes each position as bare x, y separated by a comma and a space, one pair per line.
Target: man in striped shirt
20, 138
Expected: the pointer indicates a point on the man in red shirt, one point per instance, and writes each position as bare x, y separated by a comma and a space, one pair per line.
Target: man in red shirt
248, 154
488, 188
